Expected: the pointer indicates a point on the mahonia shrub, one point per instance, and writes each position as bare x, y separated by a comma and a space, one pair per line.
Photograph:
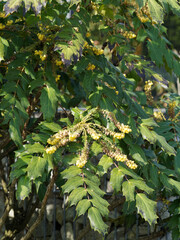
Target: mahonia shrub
79, 101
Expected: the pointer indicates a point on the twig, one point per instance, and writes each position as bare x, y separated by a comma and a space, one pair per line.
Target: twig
41, 213
9, 204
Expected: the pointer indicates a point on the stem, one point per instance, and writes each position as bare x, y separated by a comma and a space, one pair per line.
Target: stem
9, 205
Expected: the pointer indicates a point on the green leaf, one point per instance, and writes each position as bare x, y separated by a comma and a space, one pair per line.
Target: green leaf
128, 190
83, 206
128, 171
164, 145
142, 185
48, 101
12, 5
3, 44
170, 183
146, 134
72, 183
77, 195
103, 210
96, 220
146, 208
52, 126
156, 11
34, 148
23, 188
71, 172
177, 162
94, 195
14, 131
138, 154
154, 176
93, 186
149, 122
96, 148
36, 167
103, 165
116, 179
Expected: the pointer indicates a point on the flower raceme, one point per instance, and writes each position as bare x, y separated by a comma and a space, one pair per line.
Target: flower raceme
87, 132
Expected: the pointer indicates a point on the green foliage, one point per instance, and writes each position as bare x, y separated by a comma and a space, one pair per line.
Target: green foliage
74, 96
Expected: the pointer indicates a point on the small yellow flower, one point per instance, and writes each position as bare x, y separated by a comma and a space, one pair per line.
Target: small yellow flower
88, 34
2, 15
81, 163
73, 136
58, 78
51, 150
90, 67
41, 37
131, 164
120, 157
58, 63
125, 128
10, 22
119, 135
2, 26
43, 57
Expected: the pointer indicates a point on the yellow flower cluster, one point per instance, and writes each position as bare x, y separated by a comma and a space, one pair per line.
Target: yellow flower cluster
80, 163
2, 26
119, 135
120, 157
95, 50
129, 35
125, 128
51, 150
58, 78
41, 55
147, 89
88, 34
158, 116
58, 137
171, 109
41, 37
93, 134
9, 22
58, 63
98, 51
2, 15
131, 164
90, 67
73, 136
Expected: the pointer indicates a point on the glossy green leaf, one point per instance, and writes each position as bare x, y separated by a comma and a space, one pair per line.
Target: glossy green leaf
83, 206
96, 148
128, 189
177, 162
36, 167
164, 145
48, 102
77, 195
71, 172
23, 188
156, 11
138, 154
116, 179
146, 208
104, 164
102, 209
3, 45
14, 131
12, 5
96, 220
72, 183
